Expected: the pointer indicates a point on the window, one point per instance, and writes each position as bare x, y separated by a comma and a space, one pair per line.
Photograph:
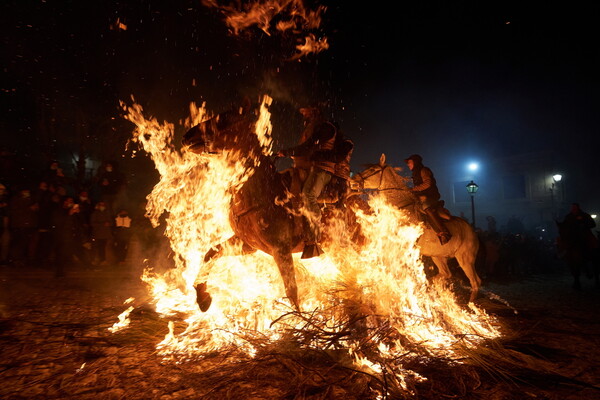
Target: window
514, 187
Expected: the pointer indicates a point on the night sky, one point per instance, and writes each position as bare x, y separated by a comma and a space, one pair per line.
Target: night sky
450, 80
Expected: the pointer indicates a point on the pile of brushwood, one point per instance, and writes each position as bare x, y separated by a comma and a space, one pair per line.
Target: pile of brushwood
314, 363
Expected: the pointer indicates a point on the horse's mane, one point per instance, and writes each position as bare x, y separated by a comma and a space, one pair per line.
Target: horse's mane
399, 180
398, 196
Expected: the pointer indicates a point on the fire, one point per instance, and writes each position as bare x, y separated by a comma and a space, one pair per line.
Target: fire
123, 317
310, 45
291, 16
382, 283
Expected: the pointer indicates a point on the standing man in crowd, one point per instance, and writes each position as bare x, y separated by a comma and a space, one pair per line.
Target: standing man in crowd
122, 235
101, 228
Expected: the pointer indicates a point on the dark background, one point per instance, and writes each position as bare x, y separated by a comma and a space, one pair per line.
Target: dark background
451, 80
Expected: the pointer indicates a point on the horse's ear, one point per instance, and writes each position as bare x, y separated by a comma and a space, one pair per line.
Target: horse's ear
382, 160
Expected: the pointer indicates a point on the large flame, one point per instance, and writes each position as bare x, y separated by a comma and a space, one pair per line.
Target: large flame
383, 280
291, 16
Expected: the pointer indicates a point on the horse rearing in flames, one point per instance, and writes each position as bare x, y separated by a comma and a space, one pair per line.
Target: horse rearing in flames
258, 220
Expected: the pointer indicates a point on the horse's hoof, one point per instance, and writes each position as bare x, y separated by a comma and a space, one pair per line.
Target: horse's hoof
203, 298
311, 250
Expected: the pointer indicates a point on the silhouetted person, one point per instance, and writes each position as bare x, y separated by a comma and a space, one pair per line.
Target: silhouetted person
22, 216
70, 237
122, 235
102, 225
4, 234
55, 175
109, 185
580, 223
47, 201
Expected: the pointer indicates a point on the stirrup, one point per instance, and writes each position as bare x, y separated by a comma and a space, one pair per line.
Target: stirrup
311, 250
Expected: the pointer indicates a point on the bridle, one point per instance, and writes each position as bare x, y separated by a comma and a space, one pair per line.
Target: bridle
378, 170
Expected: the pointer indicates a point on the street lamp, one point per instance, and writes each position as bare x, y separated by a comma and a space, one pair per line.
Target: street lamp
472, 189
555, 179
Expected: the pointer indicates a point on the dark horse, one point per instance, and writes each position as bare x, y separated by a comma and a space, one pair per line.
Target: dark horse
580, 253
464, 244
259, 215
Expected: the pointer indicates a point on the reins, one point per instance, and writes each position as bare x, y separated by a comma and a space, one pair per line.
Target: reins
378, 189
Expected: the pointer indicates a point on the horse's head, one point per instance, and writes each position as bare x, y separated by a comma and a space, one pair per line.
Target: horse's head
378, 176
232, 130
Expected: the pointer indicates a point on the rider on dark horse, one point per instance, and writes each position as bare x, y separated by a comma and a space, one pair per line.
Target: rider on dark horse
426, 191
321, 155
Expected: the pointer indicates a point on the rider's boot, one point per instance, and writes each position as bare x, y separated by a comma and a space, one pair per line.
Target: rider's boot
311, 246
438, 225
311, 250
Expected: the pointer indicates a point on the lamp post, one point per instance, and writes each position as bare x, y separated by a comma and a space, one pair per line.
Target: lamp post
555, 179
472, 189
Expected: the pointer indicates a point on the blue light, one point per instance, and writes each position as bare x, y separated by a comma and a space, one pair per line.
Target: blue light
473, 166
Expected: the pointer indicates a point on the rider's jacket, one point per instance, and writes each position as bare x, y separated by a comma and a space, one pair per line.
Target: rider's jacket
315, 148
425, 186
343, 155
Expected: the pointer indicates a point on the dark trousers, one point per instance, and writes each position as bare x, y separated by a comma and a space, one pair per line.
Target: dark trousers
122, 239
21, 242
100, 249
45, 248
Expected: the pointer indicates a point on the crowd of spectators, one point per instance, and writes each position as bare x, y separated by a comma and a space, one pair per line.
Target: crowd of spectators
511, 251
54, 222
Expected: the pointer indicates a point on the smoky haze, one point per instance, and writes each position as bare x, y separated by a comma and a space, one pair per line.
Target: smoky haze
448, 80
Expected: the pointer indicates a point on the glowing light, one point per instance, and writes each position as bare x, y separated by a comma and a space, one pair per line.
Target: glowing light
473, 166
557, 177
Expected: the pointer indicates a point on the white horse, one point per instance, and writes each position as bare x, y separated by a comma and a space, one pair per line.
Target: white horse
464, 243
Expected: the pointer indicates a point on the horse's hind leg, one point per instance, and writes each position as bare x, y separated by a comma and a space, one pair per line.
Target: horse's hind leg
285, 263
467, 263
442, 265
443, 276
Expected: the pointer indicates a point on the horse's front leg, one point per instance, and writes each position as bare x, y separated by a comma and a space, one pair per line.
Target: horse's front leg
230, 246
285, 263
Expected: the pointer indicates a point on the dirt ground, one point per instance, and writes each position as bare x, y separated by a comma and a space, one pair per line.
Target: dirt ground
55, 344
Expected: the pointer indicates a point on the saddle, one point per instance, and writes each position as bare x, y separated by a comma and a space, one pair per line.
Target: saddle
332, 193
440, 209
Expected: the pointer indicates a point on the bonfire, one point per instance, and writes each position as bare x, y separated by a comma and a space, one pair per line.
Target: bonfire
371, 308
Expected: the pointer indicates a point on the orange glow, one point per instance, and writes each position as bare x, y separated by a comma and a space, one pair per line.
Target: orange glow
384, 279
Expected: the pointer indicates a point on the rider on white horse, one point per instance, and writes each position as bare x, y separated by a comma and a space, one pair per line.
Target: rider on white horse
425, 189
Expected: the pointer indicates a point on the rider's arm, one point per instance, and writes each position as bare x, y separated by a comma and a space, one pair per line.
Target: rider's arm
427, 177
322, 133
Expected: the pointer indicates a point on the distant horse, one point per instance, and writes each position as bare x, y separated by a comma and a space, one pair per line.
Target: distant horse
464, 243
579, 253
258, 217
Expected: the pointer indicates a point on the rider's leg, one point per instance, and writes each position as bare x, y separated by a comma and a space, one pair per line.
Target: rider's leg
438, 225
315, 182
